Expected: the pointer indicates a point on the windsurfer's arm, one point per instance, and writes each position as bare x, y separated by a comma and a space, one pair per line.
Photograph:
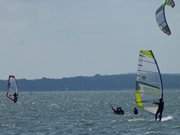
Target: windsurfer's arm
156, 103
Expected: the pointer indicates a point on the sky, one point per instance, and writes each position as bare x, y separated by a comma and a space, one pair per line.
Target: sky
64, 38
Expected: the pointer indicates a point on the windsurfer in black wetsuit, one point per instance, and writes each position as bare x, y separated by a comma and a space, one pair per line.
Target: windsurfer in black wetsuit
118, 110
13, 97
135, 111
160, 109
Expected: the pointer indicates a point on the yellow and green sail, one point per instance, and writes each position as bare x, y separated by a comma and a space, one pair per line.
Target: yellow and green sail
148, 81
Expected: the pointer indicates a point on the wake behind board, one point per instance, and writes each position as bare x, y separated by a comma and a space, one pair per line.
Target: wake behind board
167, 118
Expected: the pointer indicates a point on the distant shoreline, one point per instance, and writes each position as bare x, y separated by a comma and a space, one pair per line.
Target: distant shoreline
89, 83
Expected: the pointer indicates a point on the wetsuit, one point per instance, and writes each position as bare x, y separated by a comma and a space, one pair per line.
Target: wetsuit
135, 111
15, 97
160, 109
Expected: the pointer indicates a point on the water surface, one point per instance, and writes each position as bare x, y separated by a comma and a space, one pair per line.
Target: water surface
83, 113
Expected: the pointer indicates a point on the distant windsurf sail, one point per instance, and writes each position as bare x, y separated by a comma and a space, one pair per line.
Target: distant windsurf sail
12, 85
149, 87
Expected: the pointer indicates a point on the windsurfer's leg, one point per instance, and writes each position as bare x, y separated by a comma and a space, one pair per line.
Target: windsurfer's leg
160, 115
156, 115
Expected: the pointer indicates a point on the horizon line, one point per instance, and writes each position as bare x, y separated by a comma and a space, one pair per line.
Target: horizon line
94, 75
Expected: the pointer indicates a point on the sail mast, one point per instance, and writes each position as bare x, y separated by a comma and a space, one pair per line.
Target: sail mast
162, 88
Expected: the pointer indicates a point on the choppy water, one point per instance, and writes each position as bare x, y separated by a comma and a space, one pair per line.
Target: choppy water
83, 113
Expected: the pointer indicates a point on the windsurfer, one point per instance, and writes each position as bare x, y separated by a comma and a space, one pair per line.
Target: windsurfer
135, 111
13, 97
118, 110
160, 109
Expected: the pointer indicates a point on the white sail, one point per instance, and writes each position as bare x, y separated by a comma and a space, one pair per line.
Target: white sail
12, 85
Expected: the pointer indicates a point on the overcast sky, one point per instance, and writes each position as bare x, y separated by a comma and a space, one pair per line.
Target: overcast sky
62, 38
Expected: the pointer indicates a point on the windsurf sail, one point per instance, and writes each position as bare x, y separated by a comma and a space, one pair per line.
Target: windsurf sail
12, 86
149, 86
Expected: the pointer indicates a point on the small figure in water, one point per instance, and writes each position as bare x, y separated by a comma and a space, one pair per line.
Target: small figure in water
118, 110
13, 97
135, 111
160, 109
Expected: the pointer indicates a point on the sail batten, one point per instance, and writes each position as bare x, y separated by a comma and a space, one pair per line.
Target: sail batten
146, 71
146, 61
149, 87
146, 83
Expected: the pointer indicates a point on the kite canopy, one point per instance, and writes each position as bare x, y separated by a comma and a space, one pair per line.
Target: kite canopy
161, 17
161, 20
170, 3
